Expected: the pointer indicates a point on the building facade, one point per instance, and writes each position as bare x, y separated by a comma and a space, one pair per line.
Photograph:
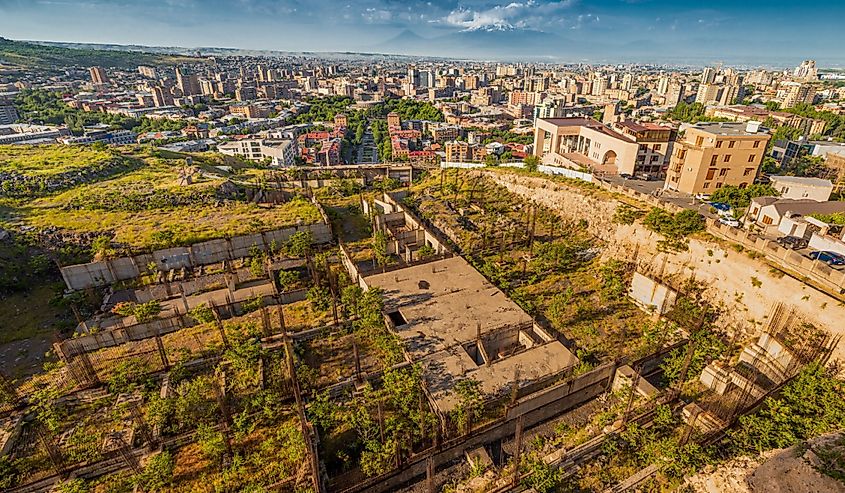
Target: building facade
713, 155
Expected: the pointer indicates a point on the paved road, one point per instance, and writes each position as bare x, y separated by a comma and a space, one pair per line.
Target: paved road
656, 188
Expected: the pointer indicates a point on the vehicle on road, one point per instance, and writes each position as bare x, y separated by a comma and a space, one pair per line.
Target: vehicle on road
625, 176
722, 208
729, 221
830, 258
792, 242
702, 196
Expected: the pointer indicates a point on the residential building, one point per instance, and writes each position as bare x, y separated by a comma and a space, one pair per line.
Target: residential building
187, 83
795, 93
713, 155
393, 120
742, 113
463, 152
807, 70
148, 72
21, 133
655, 145
444, 133
707, 94
277, 152
250, 111
98, 75
799, 187
329, 154
584, 143
106, 136
341, 120
768, 212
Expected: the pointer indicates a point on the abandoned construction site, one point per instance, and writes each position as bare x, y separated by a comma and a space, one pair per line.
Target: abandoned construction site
455, 330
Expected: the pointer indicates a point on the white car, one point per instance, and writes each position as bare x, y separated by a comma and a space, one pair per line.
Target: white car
729, 221
703, 196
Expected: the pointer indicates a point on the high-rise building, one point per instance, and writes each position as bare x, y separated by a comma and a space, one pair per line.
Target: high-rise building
707, 94
599, 86
413, 76
713, 155
162, 97
663, 85
708, 75
627, 82
807, 70
187, 83
148, 72
98, 75
798, 93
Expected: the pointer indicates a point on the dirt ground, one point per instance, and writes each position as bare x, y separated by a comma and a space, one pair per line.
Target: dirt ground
789, 470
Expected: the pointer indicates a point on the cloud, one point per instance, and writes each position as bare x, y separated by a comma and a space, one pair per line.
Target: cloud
528, 14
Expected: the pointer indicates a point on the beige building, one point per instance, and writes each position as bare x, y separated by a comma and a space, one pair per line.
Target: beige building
463, 152
98, 75
584, 143
275, 152
713, 155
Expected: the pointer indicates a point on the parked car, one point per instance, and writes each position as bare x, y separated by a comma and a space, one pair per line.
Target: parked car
830, 258
722, 208
702, 196
729, 221
792, 242
625, 176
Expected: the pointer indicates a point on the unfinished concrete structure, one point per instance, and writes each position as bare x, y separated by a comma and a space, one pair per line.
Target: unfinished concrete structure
454, 322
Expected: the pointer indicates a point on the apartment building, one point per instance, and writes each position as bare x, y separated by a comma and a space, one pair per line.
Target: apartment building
655, 145
713, 155
583, 143
278, 152
463, 152
98, 75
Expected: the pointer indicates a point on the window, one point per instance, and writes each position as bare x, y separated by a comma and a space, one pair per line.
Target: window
682, 153
767, 220
706, 185
657, 147
699, 141
719, 185
756, 144
747, 171
743, 185
718, 144
713, 160
731, 144
751, 158
710, 173
727, 158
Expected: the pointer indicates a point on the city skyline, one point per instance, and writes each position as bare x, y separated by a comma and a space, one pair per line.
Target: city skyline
570, 30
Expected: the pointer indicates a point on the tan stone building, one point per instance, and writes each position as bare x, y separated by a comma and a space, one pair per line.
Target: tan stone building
713, 155
584, 143
462, 152
393, 120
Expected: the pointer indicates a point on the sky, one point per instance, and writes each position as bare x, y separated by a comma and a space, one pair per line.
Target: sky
731, 29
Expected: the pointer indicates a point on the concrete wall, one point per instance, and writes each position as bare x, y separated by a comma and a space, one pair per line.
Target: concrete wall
650, 294
103, 273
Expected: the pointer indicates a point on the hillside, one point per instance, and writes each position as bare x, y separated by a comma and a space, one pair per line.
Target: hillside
31, 55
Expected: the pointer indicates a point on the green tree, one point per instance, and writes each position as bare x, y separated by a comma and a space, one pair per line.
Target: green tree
470, 404
531, 163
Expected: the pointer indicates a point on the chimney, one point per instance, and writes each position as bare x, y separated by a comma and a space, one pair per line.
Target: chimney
752, 127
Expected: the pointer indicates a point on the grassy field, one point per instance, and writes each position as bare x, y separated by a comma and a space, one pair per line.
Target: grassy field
142, 206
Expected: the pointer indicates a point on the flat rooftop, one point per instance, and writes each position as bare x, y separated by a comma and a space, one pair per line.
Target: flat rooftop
733, 129
438, 309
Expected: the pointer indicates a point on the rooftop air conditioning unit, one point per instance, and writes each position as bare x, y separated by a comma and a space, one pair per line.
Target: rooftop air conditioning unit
752, 127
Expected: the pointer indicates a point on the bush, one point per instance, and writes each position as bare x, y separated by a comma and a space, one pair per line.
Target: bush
158, 474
